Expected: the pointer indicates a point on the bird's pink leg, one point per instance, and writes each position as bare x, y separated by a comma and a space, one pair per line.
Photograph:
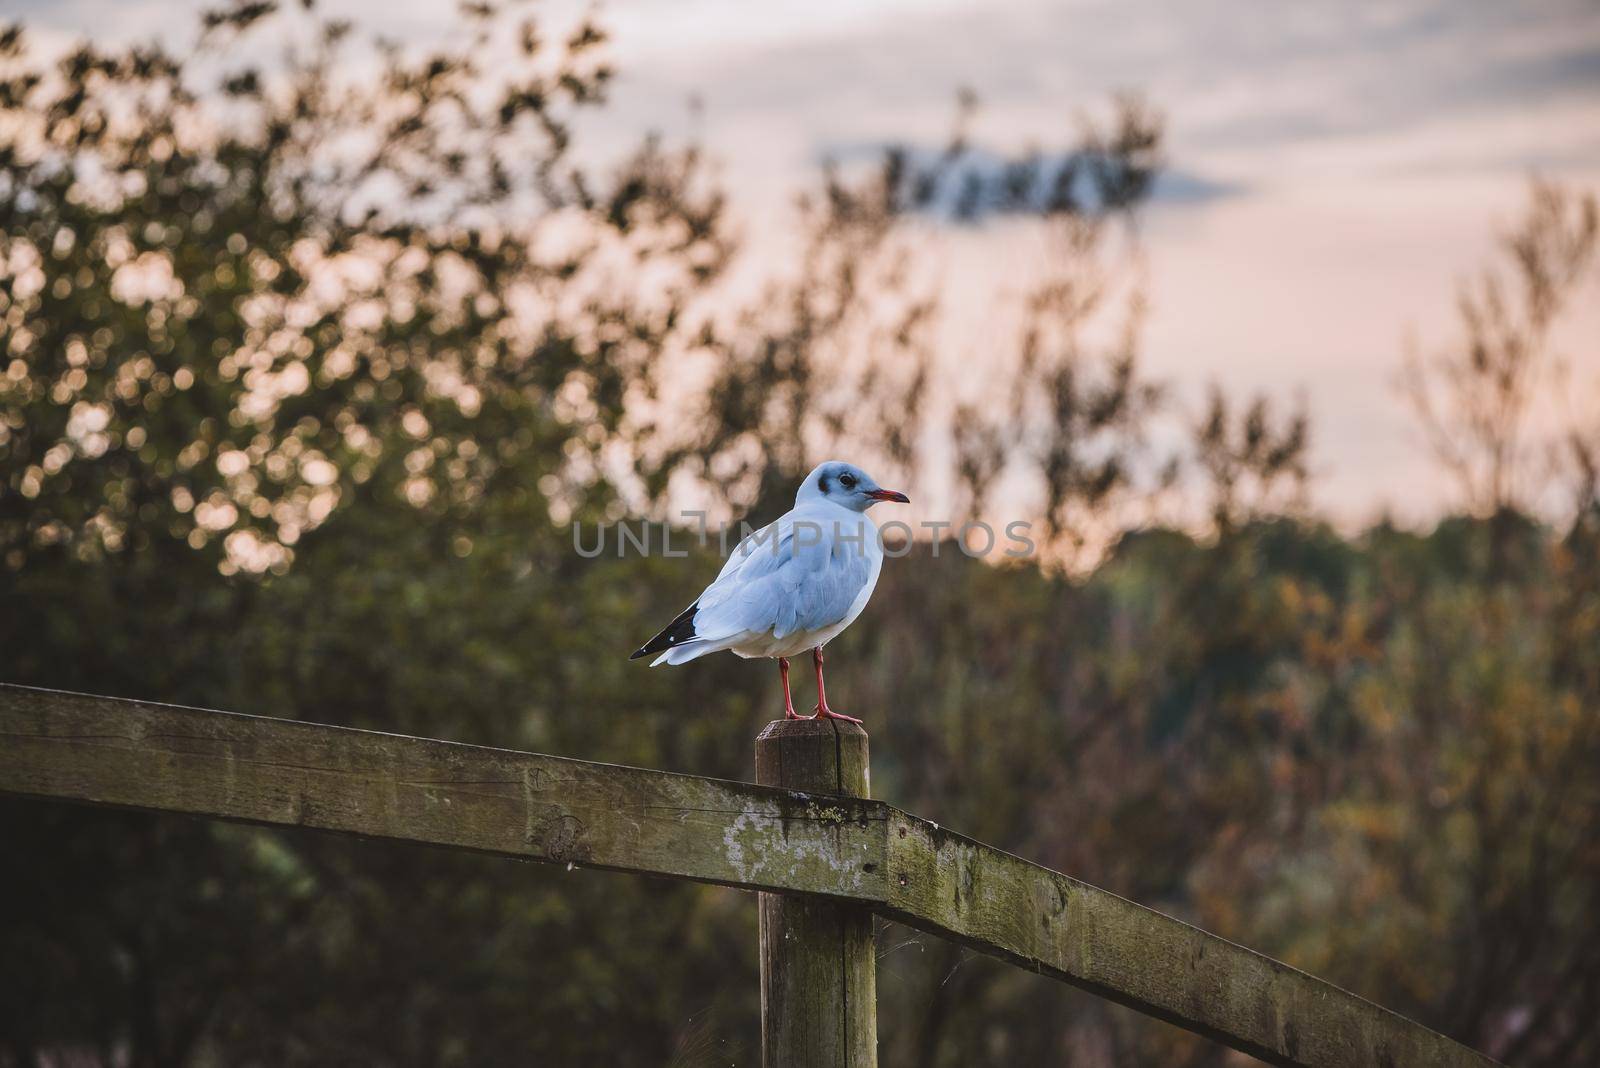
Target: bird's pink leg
788, 702
823, 711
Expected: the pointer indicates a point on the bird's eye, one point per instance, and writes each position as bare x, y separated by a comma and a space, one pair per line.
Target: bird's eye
847, 481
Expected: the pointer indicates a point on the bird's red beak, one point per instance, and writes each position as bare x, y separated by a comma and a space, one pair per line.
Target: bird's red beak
889, 495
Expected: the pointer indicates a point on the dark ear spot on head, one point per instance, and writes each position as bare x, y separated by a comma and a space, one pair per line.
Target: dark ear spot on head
822, 483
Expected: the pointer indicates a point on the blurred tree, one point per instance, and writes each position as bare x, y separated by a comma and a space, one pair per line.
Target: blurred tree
839, 351
1475, 401
834, 350
238, 295
1065, 413
1253, 470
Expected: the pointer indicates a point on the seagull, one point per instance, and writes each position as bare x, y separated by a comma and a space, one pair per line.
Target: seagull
792, 585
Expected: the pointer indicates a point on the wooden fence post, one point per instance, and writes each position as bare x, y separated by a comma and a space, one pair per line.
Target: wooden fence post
818, 969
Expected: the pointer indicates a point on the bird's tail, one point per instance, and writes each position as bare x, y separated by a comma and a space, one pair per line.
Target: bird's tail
686, 652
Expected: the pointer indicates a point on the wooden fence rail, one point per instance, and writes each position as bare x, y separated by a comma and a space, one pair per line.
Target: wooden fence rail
851, 850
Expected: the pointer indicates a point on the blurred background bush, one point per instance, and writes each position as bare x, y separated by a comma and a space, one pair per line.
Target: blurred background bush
312, 351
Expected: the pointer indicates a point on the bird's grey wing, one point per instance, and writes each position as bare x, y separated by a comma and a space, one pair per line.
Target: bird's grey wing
799, 576
830, 585
706, 622
747, 596
763, 540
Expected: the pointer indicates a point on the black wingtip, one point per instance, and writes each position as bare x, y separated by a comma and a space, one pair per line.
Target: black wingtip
676, 633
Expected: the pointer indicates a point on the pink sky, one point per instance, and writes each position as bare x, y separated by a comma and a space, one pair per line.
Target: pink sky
1368, 151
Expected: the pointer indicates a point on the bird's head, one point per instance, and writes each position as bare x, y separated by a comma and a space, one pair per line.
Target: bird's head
845, 485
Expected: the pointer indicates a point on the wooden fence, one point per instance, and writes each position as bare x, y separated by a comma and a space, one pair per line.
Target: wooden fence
824, 856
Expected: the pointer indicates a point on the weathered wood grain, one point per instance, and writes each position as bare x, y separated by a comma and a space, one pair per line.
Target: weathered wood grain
99, 750
141, 755
1047, 922
818, 967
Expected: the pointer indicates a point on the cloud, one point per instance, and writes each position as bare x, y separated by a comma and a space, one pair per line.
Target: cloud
1240, 79
980, 183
